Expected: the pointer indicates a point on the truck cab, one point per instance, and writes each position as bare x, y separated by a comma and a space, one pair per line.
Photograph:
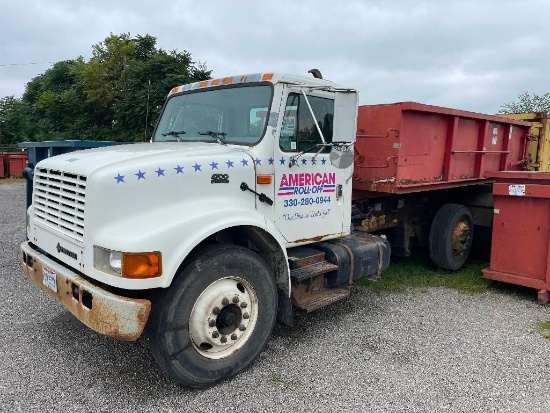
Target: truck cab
237, 210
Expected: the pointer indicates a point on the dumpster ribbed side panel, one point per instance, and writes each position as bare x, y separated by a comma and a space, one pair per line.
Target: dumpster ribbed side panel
411, 147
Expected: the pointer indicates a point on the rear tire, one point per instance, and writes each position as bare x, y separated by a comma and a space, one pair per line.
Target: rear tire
216, 317
451, 236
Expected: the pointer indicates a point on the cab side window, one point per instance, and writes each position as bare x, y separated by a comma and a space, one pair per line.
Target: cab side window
298, 132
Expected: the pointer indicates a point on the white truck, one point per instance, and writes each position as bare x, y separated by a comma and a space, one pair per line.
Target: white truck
237, 210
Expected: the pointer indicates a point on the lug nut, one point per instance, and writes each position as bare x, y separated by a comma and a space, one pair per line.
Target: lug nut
225, 301
235, 299
223, 339
233, 336
246, 316
244, 305
242, 327
215, 334
216, 310
212, 323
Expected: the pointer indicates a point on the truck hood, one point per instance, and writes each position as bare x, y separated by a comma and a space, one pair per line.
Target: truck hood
88, 161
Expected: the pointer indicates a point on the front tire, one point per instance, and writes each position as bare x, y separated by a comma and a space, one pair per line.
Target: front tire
451, 236
215, 319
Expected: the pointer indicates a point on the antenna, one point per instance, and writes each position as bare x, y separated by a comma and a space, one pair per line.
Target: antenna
147, 111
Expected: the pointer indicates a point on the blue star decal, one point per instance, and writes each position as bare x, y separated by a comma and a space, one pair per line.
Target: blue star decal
140, 175
304, 161
270, 160
229, 163
197, 167
160, 172
323, 161
258, 161
119, 178
293, 161
179, 169
313, 161
214, 165
282, 160
244, 162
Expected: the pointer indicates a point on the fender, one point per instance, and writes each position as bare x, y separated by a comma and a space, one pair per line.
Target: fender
174, 238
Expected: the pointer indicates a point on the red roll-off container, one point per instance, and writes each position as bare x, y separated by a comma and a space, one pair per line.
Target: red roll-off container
520, 250
16, 163
409, 147
3, 165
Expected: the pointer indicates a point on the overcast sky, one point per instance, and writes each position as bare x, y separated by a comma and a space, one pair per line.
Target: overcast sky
471, 55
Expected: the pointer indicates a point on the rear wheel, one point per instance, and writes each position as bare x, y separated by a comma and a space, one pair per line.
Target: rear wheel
451, 236
215, 319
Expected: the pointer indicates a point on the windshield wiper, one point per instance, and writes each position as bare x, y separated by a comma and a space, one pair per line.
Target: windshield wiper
175, 134
219, 136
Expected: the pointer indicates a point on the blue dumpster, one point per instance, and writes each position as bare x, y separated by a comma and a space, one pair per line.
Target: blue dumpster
38, 151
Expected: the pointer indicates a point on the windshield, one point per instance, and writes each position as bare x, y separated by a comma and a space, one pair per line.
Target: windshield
235, 115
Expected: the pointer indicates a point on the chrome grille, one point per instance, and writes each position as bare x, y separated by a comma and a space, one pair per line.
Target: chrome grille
59, 199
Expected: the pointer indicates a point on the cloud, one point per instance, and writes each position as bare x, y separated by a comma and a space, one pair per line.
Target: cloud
471, 55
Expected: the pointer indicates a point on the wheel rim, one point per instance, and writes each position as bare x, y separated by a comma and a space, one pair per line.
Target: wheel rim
462, 239
223, 317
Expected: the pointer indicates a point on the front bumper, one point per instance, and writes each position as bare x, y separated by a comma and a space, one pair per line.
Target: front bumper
109, 314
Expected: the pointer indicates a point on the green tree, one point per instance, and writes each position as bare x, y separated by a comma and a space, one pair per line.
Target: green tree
528, 103
14, 121
147, 85
56, 104
127, 80
108, 97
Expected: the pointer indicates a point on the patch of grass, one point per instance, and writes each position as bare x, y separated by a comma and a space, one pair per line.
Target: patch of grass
543, 328
418, 271
12, 179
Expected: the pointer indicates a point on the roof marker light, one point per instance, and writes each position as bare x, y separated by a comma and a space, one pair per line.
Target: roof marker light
267, 76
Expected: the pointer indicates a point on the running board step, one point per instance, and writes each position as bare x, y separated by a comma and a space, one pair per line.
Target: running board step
325, 298
303, 256
313, 270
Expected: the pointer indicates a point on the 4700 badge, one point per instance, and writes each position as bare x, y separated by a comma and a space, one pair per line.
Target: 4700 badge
293, 202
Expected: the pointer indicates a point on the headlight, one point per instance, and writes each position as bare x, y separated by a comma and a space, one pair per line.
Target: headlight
115, 261
128, 264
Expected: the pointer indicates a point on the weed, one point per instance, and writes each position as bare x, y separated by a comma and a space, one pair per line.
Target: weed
543, 327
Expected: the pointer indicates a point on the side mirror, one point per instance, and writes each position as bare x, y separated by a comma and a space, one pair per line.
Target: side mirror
341, 156
345, 117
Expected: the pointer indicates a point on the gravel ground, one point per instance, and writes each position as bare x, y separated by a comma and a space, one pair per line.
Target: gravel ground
427, 350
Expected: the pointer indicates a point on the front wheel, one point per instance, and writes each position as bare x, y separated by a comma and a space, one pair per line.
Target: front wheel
215, 319
451, 236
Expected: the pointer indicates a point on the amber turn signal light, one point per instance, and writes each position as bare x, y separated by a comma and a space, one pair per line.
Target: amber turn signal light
264, 179
141, 265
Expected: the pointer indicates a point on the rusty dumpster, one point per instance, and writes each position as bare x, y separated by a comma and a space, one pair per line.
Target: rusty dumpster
539, 146
520, 250
16, 162
411, 147
3, 165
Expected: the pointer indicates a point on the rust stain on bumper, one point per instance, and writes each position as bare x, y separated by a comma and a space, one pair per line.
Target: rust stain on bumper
109, 314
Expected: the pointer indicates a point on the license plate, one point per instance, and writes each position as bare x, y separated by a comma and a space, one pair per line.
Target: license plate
49, 278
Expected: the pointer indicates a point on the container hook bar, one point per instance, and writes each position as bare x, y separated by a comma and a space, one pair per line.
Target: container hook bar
387, 135
482, 152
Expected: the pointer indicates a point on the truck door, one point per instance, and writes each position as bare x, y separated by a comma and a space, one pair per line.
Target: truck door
312, 197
